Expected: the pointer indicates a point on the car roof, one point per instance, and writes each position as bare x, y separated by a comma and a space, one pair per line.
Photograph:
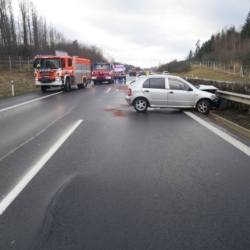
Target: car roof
160, 76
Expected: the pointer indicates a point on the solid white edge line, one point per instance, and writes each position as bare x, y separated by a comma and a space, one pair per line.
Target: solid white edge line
34, 170
34, 100
244, 148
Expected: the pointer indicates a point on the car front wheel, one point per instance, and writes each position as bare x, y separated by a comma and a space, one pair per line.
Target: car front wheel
203, 106
141, 105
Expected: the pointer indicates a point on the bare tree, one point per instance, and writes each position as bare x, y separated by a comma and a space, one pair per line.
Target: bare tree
5, 27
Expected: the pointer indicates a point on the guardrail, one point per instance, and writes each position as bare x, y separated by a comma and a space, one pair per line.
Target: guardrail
245, 99
234, 97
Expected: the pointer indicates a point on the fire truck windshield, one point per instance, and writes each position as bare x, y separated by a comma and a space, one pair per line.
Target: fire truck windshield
45, 63
101, 66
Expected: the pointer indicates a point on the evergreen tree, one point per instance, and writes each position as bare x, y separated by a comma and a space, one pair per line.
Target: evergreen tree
245, 31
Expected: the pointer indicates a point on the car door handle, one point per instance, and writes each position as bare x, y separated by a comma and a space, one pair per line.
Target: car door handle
171, 92
146, 91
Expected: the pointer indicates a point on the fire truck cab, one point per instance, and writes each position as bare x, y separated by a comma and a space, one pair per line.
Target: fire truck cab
120, 72
61, 70
102, 72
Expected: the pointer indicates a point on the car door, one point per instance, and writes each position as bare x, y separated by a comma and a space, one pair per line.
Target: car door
155, 91
180, 94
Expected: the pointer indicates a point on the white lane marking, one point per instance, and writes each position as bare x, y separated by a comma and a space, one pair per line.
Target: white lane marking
24, 103
244, 148
13, 150
34, 170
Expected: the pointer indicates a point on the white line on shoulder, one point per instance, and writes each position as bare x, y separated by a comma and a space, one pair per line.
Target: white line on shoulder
244, 148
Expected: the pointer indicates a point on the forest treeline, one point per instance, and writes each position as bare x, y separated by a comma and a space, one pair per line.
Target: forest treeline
29, 34
226, 46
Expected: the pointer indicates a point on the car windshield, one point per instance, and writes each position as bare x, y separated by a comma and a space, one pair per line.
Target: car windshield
47, 63
101, 66
190, 84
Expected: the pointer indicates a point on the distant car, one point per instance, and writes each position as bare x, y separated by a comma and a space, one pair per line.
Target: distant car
165, 72
141, 73
167, 91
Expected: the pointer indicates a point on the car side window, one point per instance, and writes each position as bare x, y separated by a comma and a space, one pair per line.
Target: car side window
175, 84
157, 83
146, 84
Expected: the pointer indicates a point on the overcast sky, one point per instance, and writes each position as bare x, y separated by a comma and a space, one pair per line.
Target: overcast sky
141, 32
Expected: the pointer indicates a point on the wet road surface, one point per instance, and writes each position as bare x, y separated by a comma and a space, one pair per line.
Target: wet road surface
120, 180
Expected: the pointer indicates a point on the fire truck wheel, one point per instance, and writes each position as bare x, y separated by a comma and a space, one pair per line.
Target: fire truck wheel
84, 83
66, 85
43, 88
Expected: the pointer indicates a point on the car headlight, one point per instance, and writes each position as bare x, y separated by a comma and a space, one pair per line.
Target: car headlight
213, 97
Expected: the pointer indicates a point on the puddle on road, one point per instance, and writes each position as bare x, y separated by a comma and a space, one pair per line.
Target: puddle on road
117, 111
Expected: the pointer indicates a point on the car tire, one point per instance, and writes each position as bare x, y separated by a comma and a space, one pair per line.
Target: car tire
203, 106
141, 105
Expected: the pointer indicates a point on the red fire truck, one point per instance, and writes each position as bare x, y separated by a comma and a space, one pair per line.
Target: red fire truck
102, 72
120, 72
61, 70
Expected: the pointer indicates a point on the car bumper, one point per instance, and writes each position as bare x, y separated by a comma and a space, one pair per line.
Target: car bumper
216, 102
101, 78
128, 100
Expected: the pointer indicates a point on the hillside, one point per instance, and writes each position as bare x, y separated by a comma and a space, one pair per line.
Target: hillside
208, 73
23, 83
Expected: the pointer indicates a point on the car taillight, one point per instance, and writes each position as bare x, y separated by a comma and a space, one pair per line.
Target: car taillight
129, 92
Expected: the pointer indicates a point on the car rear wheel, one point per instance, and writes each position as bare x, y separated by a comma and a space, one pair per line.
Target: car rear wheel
203, 106
141, 105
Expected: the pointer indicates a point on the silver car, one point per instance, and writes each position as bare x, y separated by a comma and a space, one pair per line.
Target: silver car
167, 91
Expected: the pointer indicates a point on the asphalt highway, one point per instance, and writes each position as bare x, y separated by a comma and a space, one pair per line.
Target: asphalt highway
83, 170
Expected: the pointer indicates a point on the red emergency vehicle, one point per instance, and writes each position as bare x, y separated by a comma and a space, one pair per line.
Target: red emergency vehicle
120, 72
61, 70
102, 72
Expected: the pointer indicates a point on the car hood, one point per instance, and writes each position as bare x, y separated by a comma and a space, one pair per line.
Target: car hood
207, 88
